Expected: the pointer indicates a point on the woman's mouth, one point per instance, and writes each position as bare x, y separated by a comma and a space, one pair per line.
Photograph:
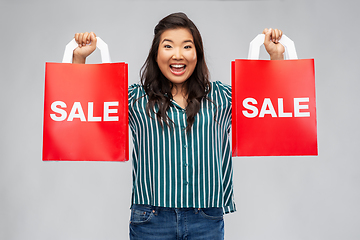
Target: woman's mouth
177, 69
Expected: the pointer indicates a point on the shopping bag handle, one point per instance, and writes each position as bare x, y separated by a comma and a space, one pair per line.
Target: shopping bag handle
254, 49
100, 44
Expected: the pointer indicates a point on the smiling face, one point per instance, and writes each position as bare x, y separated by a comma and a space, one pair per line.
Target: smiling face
176, 56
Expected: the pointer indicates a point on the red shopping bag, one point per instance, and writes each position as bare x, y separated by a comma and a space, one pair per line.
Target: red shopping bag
86, 110
274, 109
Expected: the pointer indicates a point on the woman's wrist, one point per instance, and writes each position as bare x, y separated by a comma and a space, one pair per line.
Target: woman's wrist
277, 56
78, 59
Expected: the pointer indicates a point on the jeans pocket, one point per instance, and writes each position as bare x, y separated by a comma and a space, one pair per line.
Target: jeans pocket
212, 213
141, 214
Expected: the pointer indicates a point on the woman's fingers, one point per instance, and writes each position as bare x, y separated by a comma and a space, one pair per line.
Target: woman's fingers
79, 38
267, 33
86, 45
277, 33
76, 38
92, 38
271, 43
273, 35
83, 39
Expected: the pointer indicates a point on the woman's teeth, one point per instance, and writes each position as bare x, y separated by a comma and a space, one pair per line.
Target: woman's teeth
177, 68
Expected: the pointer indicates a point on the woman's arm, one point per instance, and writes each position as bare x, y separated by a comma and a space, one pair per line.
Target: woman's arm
272, 45
87, 44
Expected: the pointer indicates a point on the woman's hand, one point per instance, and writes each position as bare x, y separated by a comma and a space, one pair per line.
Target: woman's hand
273, 47
87, 44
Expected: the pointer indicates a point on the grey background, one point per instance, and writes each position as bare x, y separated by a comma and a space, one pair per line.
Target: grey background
277, 197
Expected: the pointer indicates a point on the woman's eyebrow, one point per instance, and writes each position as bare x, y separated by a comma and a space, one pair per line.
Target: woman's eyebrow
186, 41
190, 41
167, 40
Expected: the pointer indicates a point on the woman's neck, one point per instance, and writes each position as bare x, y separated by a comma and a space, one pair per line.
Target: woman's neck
179, 94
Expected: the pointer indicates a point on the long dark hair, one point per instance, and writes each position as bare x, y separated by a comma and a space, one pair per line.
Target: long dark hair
158, 87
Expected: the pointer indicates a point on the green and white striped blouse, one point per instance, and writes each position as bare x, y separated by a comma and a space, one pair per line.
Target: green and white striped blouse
173, 168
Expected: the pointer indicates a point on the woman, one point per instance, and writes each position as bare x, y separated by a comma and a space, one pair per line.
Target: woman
180, 122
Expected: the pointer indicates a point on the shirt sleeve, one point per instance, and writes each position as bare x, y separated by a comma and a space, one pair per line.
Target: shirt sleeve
225, 90
132, 92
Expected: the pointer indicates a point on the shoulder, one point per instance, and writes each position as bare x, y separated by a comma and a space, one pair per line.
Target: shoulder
219, 86
134, 87
135, 91
222, 89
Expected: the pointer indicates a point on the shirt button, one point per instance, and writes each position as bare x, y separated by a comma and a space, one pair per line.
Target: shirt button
185, 146
186, 164
185, 182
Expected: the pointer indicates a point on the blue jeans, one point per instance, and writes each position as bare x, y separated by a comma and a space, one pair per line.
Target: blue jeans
150, 223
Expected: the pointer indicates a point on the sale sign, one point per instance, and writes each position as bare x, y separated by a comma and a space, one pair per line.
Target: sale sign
274, 108
86, 112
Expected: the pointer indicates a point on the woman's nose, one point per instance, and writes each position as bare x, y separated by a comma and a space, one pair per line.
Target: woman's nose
177, 54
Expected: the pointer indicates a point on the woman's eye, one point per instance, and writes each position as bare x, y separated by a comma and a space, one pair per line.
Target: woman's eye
187, 47
167, 46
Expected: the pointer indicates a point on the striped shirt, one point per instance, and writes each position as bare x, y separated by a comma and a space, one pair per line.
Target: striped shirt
173, 168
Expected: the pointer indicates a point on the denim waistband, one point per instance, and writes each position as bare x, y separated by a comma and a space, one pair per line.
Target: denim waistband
158, 209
